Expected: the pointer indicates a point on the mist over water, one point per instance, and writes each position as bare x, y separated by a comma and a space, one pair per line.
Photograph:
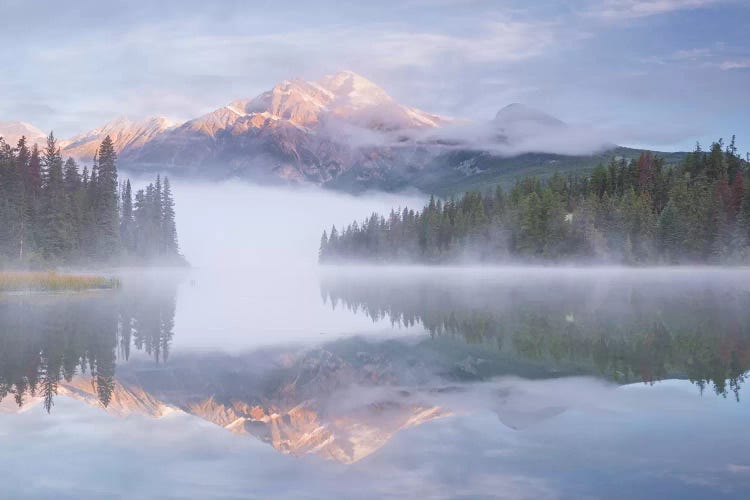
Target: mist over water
241, 225
254, 255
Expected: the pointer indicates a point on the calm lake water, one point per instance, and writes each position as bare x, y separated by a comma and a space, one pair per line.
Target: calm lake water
380, 382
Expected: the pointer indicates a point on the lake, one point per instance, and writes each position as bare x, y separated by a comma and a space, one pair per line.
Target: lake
356, 382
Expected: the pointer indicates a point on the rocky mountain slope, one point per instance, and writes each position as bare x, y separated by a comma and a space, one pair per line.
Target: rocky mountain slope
344, 132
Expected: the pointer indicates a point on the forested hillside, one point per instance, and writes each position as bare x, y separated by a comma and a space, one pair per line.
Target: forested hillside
629, 211
54, 212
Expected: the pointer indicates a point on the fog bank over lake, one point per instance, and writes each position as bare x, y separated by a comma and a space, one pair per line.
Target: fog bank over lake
254, 256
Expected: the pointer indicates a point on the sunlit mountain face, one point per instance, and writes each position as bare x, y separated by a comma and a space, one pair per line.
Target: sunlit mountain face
345, 399
345, 132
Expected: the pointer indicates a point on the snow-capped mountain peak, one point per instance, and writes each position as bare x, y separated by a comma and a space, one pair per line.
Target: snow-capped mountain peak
12, 131
353, 90
126, 134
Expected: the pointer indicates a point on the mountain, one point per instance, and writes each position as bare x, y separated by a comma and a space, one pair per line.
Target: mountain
127, 135
13, 131
299, 131
345, 132
517, 114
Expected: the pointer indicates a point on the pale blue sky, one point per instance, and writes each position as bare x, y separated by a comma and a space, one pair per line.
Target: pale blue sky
655, 73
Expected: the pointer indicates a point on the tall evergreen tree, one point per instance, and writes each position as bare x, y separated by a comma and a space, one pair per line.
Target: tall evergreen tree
168, 225
56, 230
75, 202
669, 233
127, 222
107, 217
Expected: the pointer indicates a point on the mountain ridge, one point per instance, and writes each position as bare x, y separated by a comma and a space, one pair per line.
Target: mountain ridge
343, 132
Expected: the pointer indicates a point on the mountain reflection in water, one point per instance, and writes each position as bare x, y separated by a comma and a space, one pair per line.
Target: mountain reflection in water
345, 399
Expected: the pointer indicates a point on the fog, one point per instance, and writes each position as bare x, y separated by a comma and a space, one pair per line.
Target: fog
237, 224
255, 279
254, 255
502, 138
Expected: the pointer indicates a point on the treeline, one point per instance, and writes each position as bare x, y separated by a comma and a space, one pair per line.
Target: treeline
54, 212
638, 211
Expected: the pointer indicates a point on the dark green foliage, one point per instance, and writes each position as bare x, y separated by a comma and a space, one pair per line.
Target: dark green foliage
51, 212
106, 212
637, 211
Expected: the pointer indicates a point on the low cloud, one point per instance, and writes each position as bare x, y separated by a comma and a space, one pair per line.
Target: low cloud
735, 64
617, 10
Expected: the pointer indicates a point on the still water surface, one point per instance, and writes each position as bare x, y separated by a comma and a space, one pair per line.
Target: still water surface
365, 383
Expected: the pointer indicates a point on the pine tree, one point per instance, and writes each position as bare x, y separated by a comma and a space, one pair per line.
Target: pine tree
168, 225
742, 228
158, 212
56, 231
737, 193
323, 247
669, 233
107, 217
127, 223
720, 236
716, 167
141, 223
74, 203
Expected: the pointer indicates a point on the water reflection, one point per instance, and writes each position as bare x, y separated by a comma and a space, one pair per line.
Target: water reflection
522, 347
47, 340
643, 326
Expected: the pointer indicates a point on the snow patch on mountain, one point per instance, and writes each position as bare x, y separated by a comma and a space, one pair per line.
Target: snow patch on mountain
126, 134
12, 131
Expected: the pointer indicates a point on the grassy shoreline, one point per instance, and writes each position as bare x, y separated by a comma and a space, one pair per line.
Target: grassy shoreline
29, 281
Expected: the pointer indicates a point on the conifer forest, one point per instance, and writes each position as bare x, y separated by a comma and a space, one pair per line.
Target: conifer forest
53, 211
628, 212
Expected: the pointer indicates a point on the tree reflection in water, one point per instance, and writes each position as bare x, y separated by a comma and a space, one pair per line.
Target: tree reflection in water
623, 329
48, 339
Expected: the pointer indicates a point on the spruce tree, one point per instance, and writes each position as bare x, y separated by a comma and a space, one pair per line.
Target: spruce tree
127, 229
56, 232
323, 247
158, 214
669, 233
107, 217
141, 223
74, 203
168, 224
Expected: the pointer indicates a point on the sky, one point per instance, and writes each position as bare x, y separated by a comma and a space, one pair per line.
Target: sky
652, 73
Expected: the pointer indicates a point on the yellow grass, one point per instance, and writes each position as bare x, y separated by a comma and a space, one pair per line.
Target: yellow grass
52, 282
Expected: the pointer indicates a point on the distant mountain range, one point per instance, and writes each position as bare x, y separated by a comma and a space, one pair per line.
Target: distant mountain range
342, 132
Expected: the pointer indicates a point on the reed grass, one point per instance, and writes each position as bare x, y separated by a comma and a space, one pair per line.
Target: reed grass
53, 282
